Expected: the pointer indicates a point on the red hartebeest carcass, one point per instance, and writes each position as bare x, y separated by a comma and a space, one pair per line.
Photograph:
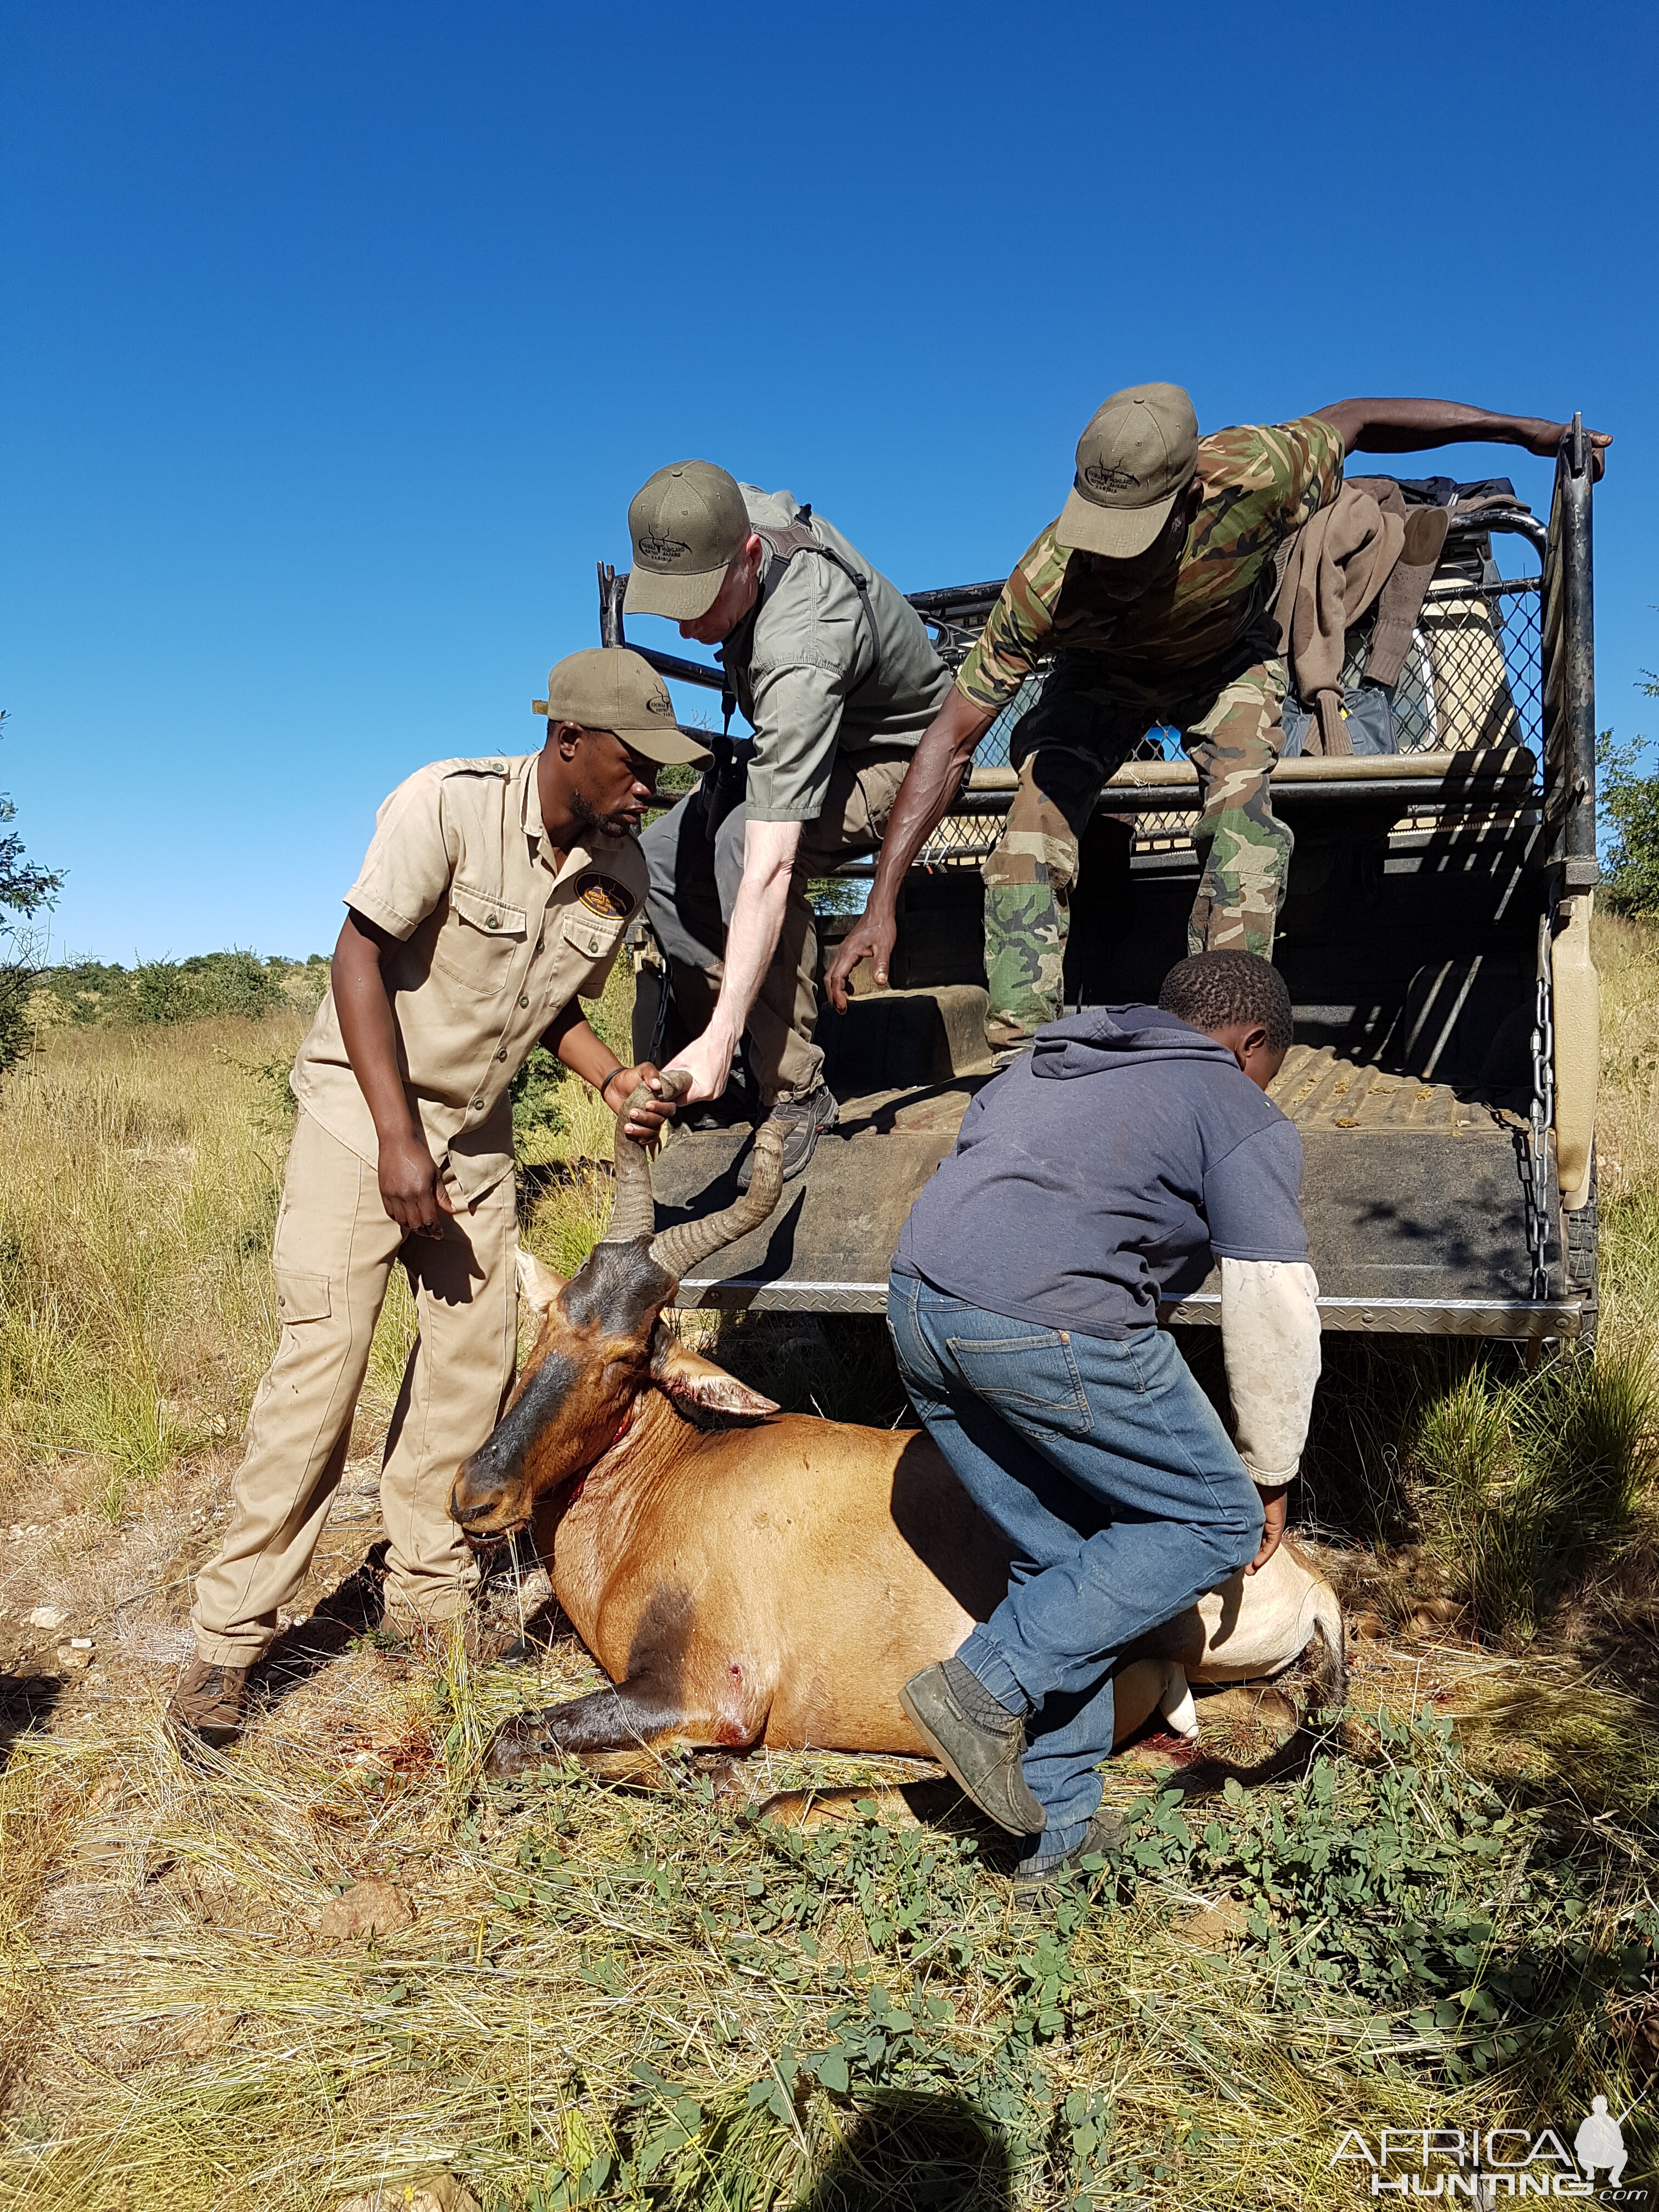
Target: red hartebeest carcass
749, 1576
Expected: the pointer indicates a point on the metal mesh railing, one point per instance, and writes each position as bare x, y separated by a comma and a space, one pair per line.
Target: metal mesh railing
1472, 680
1472, 677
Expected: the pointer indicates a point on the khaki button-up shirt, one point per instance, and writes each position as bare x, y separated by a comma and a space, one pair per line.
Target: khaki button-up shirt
494, 941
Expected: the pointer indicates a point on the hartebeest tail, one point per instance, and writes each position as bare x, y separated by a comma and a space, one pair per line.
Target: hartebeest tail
744, 1576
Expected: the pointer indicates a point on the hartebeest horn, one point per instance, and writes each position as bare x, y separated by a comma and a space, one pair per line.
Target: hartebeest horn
679, 1248
633, 1212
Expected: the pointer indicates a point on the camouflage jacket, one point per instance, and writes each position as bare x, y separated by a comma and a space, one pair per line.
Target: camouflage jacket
1259, 485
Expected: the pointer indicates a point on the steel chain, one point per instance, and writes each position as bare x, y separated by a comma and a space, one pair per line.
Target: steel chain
1542, 1114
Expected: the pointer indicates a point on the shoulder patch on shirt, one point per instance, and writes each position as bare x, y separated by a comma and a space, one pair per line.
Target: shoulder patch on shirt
605, 895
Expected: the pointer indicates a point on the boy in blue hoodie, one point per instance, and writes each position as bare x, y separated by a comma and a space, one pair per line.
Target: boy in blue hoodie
1103, 1174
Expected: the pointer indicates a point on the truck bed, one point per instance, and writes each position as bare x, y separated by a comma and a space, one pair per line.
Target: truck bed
1431, 896
1415, 1196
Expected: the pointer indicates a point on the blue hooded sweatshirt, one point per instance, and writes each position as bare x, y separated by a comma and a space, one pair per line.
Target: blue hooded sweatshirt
1104, 1172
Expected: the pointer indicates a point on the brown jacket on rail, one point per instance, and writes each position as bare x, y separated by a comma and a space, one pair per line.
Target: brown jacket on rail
1364, 547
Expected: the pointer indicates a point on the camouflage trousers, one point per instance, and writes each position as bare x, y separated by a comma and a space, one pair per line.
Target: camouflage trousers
1079, 733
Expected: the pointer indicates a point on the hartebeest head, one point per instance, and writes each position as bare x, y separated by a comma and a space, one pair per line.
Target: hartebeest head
602, 1342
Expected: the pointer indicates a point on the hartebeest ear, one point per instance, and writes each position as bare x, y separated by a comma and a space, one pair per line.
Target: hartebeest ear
692, 1381
538, 1286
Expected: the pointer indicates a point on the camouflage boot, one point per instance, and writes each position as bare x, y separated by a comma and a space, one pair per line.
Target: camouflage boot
210, 1702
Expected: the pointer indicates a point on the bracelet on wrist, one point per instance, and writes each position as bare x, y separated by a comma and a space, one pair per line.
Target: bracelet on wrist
617, 1070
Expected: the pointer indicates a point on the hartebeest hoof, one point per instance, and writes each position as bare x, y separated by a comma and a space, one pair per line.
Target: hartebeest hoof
521, 1742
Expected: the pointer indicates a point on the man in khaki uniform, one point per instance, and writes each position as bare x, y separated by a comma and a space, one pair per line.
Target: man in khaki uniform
494, 896
834, 671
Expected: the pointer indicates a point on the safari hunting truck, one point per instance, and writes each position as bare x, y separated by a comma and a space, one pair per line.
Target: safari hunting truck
1435, 938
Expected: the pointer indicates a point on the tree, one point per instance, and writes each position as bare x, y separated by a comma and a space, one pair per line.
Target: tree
25, 891
1629, 801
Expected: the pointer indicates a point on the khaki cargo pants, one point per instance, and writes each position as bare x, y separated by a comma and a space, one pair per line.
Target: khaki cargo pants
1080, 732
336, 1247
693, 888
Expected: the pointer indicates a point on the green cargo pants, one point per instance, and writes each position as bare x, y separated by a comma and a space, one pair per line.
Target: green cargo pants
1079, 733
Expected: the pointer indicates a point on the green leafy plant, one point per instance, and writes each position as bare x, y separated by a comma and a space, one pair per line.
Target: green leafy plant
539, 1108
1389, 1903
97, 994
24, 890
1629, 801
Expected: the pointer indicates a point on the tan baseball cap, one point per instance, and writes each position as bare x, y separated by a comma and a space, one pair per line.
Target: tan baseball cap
686, 526
609, 688
1133, 461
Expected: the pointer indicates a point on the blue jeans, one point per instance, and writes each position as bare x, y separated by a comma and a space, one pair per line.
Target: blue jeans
1111, 1473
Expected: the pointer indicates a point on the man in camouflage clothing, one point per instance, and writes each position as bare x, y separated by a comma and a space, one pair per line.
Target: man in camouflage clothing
1151, 599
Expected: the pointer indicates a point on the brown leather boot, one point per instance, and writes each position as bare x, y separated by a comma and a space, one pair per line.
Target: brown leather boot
211, 1702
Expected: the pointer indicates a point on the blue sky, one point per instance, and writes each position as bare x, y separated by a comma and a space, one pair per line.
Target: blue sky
336, 338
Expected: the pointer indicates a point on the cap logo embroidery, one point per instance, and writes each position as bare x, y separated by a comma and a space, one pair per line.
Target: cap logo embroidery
605, 895
1112, 479
660, 703
653, 546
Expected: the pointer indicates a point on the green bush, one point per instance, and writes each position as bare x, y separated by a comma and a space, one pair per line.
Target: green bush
538, 1113
1629, 801
96, 993
24, 891
17, 981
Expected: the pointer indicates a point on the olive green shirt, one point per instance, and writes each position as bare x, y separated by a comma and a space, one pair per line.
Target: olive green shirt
494, 941
811, 677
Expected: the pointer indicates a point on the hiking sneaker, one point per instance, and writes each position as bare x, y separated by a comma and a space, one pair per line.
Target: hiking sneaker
210, 1702
980, 1742
805, 1119
1035, 1878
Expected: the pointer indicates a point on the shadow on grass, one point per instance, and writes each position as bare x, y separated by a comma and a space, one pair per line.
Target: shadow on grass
27, 1703
356, 1607
902, 2150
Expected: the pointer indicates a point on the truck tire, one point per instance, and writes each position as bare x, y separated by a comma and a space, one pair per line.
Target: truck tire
1581, 1240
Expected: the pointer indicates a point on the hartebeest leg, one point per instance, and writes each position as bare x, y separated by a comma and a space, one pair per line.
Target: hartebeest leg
628, 1715
673, 1692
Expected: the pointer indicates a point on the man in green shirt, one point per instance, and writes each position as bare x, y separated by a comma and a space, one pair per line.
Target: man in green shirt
1151, 596
835, 672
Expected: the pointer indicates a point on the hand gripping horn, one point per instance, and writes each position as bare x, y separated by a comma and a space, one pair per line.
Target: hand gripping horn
633, 1213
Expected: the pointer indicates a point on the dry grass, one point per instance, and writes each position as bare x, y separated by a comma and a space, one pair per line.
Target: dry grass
1627, 1138
135, 1232
608, 1988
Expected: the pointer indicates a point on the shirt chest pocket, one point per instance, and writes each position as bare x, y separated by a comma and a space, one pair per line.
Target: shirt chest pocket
591, 941
482, 940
